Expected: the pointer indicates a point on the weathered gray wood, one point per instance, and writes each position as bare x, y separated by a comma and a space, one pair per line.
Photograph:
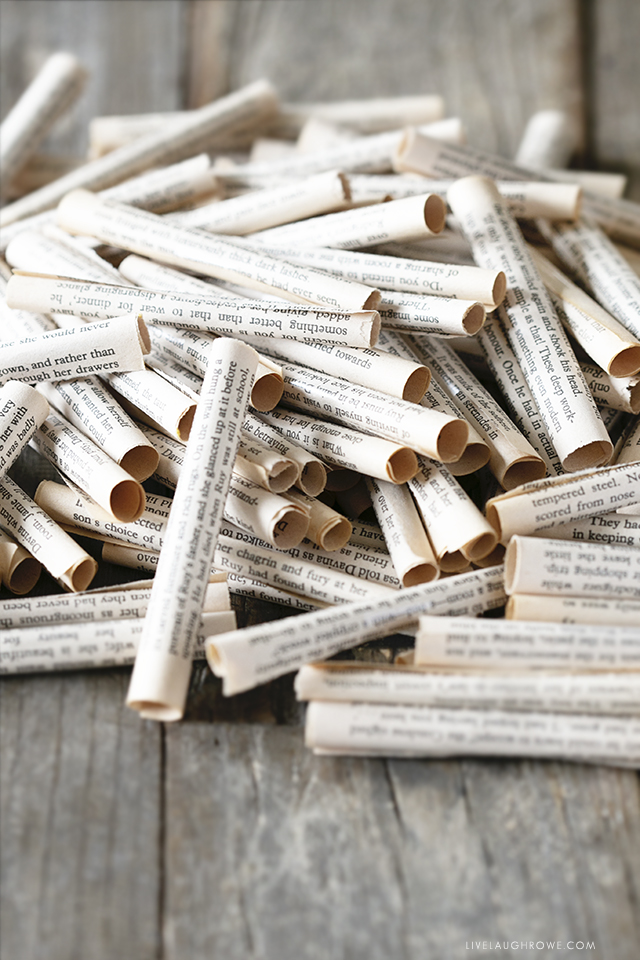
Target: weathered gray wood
80, 821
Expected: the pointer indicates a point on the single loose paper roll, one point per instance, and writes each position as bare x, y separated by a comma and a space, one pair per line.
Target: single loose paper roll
439, 315
363, 116
19, 570
615, 613
327, 528
605, 528
22, 410
151, 399
410, 549
548, 140
312, 474
168, 188
264, 466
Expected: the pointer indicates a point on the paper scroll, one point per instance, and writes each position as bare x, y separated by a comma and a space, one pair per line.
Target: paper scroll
261, 653
312, 476
151, 399
167, 188
255, 590
621, 393
19, 571
615, 613
22, 410
275, 519
440, 315
548, 140
264, 466
327, 528
363, 116
412, 554
33, 529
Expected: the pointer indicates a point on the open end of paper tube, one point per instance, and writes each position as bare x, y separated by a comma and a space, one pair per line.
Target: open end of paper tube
291, 529
346, 186
480, 547
475, 455
473, 319
79, 577
336, 534
523, 471
143, 335
594, 454
283, 477
127, 501
435, 213
499, 288
511, 565
313, 479
149, 710
416, 385
402, 465
452, 440
422, 573
141, 461
372, 303
185, 423
266, 392
452, 562
24, 576
626, 364
376, 323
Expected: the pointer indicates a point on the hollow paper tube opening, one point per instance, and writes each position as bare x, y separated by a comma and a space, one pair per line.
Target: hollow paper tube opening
346, 186
523, 471
417, 385
511, 565
312, 479
127, 501
149, 710
402, 465
473, 319
266, 392
421, 573
499, 288
492, 559
435, 213
337, 535
372, 302
141, 461
376, 323
284, 478
185, 423
452, 562
143, 335
78, 578
24, 576
480, 546
452, 440
475, 456
594, 454
626, 364
341, 478
291, 530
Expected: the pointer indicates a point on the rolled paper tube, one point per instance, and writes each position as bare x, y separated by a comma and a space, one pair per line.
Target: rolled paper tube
34, 530
150, 399
621, 393
615, 613
547, 503
160, 677
22, 411
149, 235
548, 140
369, 535
317, 134
19, 570
572, 568
245, 587
265, 467
439, 315
35, 252
372, 730
604, 528
327, 528
108, 133
410, 549
268, 149
344, 447
258, 654
237, 110
363, 116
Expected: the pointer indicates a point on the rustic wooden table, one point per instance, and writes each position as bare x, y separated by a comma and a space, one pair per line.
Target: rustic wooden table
221, 837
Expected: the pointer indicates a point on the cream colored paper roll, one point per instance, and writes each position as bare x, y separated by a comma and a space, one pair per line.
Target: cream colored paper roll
261, 653
268, 149
344, 447
548, 364
439, 315
572, 569
312, 473
428, 432
621, 393
534, 607
547, 503
327, 528
168, 188
264, 466
401, 274
373, 730
107, 133
19, 570
455, 642
606, 528
49, 94
548, 140
35, 252
151, 399
358, 682
163, 664
457, 530
245, 587
33, 529
364, 116
606, 340
237, 110
277, 520
22, 411
149, 235
630, 449
409, 547
317, 134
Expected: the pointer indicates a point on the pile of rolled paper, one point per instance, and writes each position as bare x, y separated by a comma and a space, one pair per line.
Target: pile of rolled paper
321, 328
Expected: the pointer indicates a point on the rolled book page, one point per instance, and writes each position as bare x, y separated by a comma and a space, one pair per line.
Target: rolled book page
619, 393
343, 447
630, 450
268, 149
16, 324
275, 519
495, 341
245, 587
428, 432
312, 473
410, 549
87, 405
34, 252
410, 219
315, 135
149, 235
19, 570
261, 653
78, 458
33, 529
406, 379
606, 340
457, 530
420, 153
262, 209
591, 255
91, 645
439, 315
358, 682
151, 399
218, 315
518, 645
107, 133
49, 94
547, 361
513, 460
548, 503
611, 185
604, 528
327, 528
238, 110
373, 730
103, 347
264, 466
400, 274
572, 568
161, 673
548, 140
615, 613
477, 453
22, 411
170, 187
364, 116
